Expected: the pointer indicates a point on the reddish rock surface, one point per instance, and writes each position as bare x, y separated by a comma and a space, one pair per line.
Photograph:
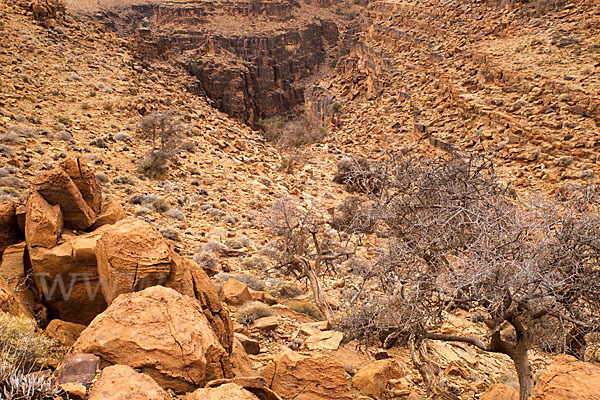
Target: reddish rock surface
568, 378
295, 376
162, 333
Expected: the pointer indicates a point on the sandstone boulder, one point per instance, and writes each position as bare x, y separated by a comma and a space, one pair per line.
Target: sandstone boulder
254, 384
67, 277
64, 332
9, 228
251, 346
161, 332
568, 378
120, 382
189, 278
500, 392
14, 268
295, 376
112, 212
227, 391
9, 301
132, 255
236, 292
57, 188
84, 178
240, 362
371, 380
80, 369
43, 222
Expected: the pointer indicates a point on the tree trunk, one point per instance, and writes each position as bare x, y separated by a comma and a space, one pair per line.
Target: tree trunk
524, 372
317, 290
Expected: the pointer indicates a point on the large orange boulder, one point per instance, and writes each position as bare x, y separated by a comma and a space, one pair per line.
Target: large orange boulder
84, 178
228, 391
568, 378
295, 376
162, 333
132, 255
120, 382
43, 222
112, 212
9, 228
67, 277
371, 380
57, 188
189, 278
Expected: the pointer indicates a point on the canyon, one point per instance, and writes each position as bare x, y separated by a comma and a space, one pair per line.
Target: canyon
189, 296
252, 59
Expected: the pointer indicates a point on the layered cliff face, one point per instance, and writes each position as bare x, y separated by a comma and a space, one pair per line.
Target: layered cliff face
249, 57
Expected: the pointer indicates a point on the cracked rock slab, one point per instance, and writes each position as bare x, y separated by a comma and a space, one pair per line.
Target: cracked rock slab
162, 333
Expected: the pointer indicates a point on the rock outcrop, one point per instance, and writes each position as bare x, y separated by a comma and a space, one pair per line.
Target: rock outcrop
132, 255
43, 222
162, 333
372, 379
252, 73
568, 378
9, 227
57, 188
67, 277
120, 382
295, 376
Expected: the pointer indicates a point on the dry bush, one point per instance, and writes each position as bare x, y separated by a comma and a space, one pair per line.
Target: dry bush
306, 247
251, 311
23, 351
253, 282
305, 307
164, 130
454, 238
296, 133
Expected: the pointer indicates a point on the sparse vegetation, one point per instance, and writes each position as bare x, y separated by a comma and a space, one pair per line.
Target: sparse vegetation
305, 307
291, 134
164, 131
251, 311
455, 239
252, 281
22, 352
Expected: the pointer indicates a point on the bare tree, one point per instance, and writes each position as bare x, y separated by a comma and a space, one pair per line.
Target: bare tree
163, 128
455, 238
164, 131
305, 246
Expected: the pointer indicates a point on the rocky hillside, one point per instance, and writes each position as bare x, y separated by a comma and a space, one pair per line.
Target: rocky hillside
137, 200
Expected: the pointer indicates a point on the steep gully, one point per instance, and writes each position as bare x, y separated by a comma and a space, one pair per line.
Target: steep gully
253, 59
